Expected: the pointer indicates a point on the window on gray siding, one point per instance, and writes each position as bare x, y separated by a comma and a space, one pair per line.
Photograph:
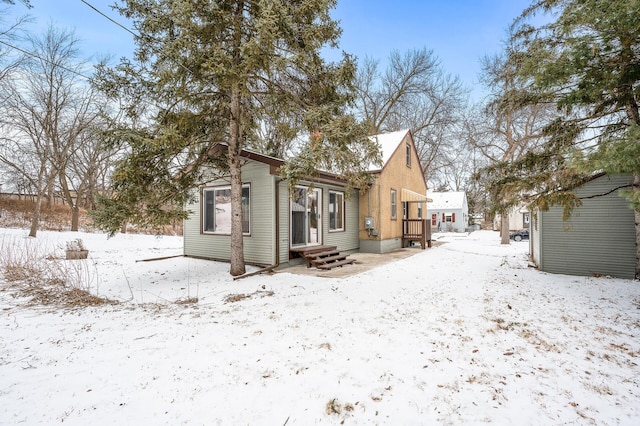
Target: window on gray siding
336, 211
216, 215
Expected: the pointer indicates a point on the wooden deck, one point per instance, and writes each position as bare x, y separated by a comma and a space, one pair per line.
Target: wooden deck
322, 257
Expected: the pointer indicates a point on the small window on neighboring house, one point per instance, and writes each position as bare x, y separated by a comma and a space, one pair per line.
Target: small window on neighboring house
336, 211
408, 149
394, 205
216, 210
434, 219
526, 219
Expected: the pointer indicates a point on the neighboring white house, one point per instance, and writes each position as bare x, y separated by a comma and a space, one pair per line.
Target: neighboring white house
449, 211
519, 218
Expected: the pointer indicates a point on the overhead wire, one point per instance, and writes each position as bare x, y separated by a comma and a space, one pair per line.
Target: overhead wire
34, 55
109, 18
128, 30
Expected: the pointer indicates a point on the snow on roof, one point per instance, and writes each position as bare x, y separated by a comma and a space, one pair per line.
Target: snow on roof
446, 200
388, 143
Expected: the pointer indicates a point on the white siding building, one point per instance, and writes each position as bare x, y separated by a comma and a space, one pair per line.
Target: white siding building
448, 211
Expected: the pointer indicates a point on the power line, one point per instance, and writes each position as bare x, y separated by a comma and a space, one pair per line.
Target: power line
109, 18
137, 36
34, 55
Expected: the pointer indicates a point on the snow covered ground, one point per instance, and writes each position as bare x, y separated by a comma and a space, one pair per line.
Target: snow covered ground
462, 333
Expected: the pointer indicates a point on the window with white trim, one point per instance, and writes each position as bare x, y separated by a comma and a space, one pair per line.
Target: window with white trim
336, 211
216, 210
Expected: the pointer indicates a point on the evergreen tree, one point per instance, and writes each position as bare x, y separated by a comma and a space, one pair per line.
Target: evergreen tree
587, 62
25, 2
205, 72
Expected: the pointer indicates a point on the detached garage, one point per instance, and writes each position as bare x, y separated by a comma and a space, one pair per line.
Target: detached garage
599, 237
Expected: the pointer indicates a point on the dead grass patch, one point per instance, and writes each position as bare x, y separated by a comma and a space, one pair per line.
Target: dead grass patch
335, 407
17, 212
237, 297
187, 301
59, 294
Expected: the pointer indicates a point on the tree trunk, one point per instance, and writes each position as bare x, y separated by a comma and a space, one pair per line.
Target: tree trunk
235, 137
35, 220
504, 227
75, 218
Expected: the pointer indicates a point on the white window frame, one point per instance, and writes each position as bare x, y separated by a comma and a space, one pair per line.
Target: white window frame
214, 189
341, 210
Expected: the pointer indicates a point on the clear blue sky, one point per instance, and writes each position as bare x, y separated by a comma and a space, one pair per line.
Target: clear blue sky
458, 31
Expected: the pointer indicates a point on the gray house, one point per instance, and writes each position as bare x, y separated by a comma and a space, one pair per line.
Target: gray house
275, 222
599, 237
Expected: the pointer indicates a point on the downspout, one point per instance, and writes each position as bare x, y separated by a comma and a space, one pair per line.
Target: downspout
379, 237
277, 222
369, 208
277, 228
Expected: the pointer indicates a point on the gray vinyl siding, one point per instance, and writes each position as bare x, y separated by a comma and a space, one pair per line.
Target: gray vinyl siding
599, 238
259, 246
348, 239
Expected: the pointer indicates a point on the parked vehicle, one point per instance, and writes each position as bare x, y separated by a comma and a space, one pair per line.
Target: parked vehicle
520, 235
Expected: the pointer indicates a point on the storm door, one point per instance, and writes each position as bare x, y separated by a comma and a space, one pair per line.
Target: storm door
306, 218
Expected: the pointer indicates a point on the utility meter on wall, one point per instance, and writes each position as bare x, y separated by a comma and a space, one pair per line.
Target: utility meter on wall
368, 222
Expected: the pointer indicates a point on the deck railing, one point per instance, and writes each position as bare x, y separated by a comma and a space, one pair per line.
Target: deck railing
416, 230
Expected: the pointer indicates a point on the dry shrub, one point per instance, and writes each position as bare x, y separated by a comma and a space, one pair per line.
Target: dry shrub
19, 259
46, 279
18, 212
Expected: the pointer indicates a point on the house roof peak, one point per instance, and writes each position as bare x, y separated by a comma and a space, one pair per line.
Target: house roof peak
388, 143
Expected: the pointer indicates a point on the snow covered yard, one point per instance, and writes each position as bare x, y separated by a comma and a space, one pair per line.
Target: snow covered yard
462, 333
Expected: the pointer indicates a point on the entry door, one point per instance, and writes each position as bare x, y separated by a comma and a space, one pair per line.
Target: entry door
306, 219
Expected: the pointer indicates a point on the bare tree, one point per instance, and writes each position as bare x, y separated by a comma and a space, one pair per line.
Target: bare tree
414, 92
504, 131
48, 108
9, 33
